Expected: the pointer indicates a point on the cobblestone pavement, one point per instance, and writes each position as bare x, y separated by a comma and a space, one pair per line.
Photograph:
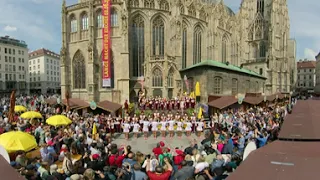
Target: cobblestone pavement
146, 146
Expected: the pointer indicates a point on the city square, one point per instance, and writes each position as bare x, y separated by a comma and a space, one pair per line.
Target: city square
159, 90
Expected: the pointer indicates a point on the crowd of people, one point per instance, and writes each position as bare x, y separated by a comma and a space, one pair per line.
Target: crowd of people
76, 152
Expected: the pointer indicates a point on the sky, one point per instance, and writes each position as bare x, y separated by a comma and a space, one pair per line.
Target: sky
38, 23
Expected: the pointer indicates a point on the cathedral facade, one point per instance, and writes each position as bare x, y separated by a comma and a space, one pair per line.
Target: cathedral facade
154, 40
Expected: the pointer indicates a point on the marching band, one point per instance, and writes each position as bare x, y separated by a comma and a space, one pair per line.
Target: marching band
165, 124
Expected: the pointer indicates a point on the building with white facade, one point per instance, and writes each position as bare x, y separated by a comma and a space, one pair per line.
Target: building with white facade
317, 88
44, 71
306, 75
13, 65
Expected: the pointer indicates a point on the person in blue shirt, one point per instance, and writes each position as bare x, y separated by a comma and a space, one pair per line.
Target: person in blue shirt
262, 138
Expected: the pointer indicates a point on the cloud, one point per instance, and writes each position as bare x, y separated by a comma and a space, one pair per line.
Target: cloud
309, 54
9, 28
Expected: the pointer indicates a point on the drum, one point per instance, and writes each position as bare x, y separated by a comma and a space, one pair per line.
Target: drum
159, 127
175, 127
184, 126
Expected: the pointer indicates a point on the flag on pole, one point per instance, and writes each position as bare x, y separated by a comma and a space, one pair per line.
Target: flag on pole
200, 113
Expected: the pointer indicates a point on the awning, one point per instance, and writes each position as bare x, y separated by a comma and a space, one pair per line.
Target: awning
223, 102
51, 101
109, 106
76, 103
271, 97
253, 100
7, 172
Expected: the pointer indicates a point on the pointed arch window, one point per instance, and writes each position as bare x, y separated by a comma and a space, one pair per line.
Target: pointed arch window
217, 88
262, 49
224, 48
137, 46
99, 19
149, 4
184, 46
157, 78
197, 42
158, 37
164, 5
170, 78
260, 6
114, 17
84, 22
79, 71
73, 24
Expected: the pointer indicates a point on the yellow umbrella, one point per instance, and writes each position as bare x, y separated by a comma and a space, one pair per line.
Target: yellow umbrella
31, 115
94, 129
58, 120
17, 140
200, 113
19, 108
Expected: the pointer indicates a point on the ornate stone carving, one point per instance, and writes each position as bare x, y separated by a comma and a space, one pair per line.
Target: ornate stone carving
63, 54
90, 50
124, 18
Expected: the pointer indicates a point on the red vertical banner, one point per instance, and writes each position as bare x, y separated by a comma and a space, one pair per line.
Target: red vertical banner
106, 61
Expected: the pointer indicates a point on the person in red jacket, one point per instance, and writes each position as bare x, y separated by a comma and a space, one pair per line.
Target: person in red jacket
159, 149
115, 159
160, 173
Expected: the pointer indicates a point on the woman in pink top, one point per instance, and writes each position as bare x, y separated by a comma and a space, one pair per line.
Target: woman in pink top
220, 145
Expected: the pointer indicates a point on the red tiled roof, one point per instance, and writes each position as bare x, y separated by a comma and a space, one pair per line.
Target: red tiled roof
223, 102
41, 52
306, 64
281, 160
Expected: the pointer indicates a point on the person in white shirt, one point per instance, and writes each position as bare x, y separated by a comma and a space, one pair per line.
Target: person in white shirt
200, 126
145, 128
163, 128
136, 127
179, 127
154, 129
171, 124
126, 128
188, 127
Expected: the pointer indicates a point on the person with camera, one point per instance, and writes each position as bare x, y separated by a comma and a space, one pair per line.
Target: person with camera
160, 173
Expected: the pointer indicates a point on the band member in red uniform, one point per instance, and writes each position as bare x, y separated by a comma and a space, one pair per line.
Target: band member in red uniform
193, 103
157, 104
126, 105
188, 103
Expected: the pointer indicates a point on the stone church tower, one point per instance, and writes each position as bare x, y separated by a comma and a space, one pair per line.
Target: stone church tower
268, 48
156, 39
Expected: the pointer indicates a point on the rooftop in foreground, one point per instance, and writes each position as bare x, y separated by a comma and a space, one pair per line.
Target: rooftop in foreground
303, 123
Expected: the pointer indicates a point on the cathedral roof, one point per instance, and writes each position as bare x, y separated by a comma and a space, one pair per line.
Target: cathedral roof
226, 66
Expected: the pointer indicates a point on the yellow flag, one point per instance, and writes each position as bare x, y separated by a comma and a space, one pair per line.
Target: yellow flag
94, 129
200, 113
197, 89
